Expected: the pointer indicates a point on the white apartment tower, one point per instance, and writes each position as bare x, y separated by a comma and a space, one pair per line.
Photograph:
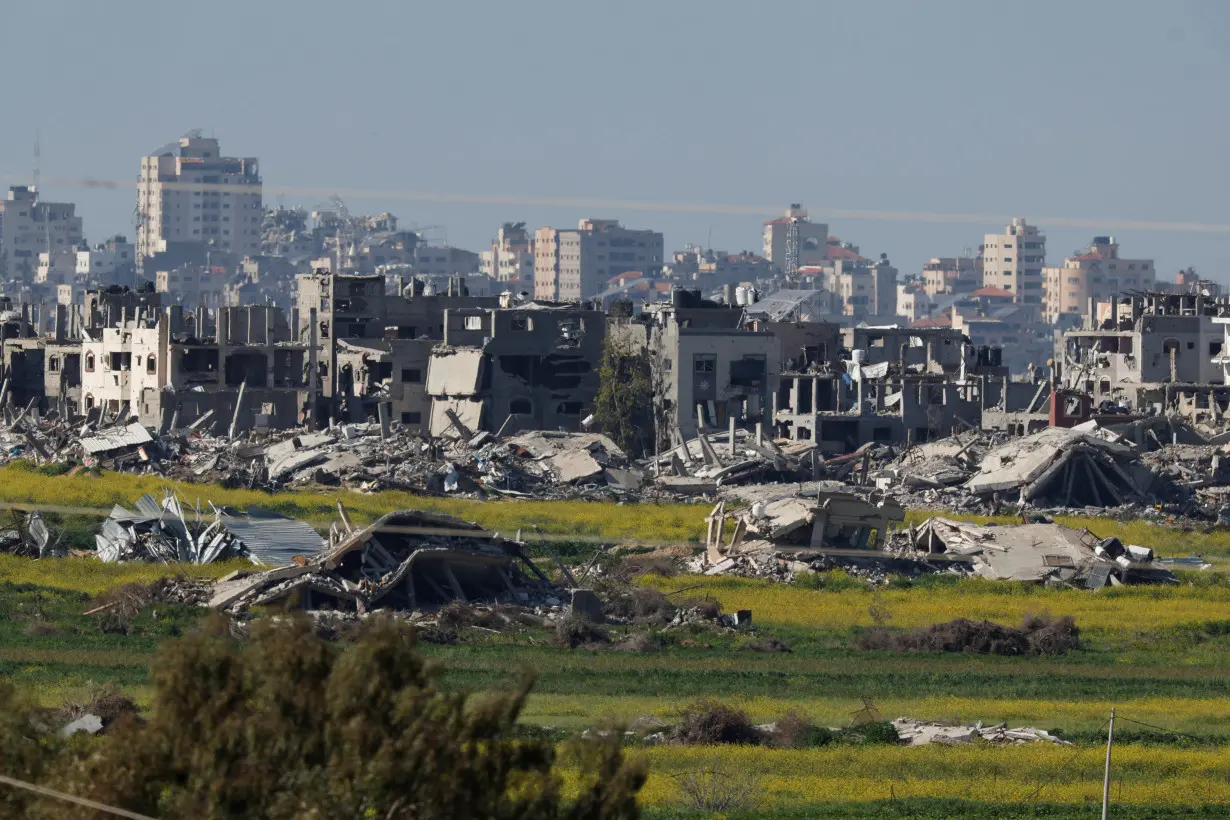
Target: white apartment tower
793, 241
189, 193
1013, 261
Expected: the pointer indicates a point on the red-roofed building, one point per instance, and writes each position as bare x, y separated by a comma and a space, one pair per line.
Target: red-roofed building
1097, 274
810, 247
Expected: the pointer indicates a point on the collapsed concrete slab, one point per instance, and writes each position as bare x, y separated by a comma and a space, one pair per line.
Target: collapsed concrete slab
404, 560
1039, 552
1064, 468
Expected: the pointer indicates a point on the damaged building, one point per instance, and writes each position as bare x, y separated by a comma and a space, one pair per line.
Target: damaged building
536, 368
168, 369
898, 385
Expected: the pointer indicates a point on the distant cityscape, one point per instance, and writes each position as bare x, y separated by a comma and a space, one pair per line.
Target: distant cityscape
309, 316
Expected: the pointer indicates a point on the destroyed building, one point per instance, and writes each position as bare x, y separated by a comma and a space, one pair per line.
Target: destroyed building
899, 385
168, 370
404, 560
536, 369
379, 330
710, 366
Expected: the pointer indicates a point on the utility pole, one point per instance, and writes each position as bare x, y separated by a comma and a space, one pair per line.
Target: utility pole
1110, 739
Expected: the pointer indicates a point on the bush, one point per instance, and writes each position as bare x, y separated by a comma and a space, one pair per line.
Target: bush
793, 730
573, 633
881, 732
720, 789
766, 645
287, 725
706, 722
638, 642
1038, 635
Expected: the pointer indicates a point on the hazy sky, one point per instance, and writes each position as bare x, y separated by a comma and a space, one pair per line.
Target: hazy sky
1107, 111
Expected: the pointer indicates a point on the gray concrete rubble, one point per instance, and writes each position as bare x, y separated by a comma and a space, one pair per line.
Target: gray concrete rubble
921, 733
405, 560
1035, 552
171, 531
794, 530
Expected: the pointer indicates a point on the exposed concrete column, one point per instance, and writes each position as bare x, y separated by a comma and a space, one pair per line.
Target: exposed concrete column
313, 366
223, 330
815, 395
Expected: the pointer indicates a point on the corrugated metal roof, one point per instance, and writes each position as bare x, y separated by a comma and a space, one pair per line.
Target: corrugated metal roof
272, 539
133, 435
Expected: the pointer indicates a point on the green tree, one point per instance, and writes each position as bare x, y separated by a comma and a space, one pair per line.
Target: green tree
624, 406
287, 725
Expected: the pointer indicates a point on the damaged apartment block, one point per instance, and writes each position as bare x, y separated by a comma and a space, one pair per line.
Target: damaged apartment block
536, 367
168, 369
898, 385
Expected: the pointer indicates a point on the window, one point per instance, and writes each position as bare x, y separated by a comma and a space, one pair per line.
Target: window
411, 417
704, 363
522, 323
1214, 348
411, 375
89, 363
520, 407
474, 323
151, 365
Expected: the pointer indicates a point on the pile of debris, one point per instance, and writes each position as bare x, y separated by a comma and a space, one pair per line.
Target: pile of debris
404, 560
780, 534
163, 531
921, 733
736, 456
1043, 552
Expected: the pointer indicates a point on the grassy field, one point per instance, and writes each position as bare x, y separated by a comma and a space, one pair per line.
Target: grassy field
1159, 655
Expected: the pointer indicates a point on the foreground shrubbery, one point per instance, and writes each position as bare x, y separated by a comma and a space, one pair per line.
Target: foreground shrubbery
288, 725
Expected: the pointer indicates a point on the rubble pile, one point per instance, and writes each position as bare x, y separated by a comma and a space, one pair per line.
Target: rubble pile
1034, 552
405, 561
701, 465
162, 531
920, 733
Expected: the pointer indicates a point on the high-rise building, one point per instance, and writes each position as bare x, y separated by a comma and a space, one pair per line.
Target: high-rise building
793, 241
573, 265
1013, 261
511, 258
960, 274
29, 226
189, 194
1099, 274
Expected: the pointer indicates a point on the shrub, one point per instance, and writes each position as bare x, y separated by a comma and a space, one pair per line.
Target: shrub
766, 645
1038, 635
793, 730
574, 632
287, 725
638, 642
706, 722
720, 789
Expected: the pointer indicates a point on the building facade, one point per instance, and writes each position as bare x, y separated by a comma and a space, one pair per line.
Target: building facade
511, 257
573, 265
188, 193
29, 226
792, 241
1013, 261
1097, 274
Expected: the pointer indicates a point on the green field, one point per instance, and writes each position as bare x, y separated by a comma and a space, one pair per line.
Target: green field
1157, 655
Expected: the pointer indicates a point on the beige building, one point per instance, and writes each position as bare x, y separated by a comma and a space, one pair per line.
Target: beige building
961, 274
189, 193
1013, 261
793, 241
511, 258
29, 226
1097, 274
573, 265
56, 268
